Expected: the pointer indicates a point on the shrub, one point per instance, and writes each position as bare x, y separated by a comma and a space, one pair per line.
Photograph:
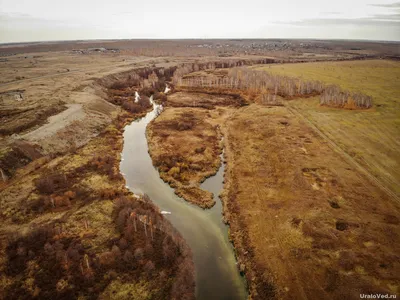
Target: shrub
132, 107
149, 267
147, 91
174, 171
128, 257
185, 125
51, 183
200, 150
144, 102
139, 253
161, 97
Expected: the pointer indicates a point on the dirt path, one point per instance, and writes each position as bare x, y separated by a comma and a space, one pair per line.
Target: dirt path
339, 150
74, 112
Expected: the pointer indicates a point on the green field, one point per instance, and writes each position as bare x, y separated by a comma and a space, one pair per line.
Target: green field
371, 137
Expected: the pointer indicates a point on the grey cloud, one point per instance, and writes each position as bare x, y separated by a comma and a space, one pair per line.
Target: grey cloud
389, 17
391, 5
369, 21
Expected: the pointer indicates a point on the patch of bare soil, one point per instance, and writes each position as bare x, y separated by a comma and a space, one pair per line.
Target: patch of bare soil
304, 223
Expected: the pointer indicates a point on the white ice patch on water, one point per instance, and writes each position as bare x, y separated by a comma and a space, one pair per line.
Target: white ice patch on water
137, 97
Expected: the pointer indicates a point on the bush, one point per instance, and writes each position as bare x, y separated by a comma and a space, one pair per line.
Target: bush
144, 102
132, 107
161, 97
147, 91
51, 183
185, 125
174, 171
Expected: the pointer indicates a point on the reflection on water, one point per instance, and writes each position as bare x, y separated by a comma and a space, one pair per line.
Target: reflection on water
217, 276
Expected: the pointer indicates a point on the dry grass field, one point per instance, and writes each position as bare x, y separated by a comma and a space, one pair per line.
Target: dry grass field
305, 223
371, 137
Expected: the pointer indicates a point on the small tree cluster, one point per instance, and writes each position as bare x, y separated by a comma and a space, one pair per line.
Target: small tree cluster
336, 97
59, 266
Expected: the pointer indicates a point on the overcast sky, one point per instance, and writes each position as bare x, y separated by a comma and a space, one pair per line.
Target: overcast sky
39, 20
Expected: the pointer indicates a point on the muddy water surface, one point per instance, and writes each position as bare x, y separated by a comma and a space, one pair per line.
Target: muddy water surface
217, 276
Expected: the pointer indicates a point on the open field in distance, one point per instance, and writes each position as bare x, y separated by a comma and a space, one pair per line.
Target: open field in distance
371, 137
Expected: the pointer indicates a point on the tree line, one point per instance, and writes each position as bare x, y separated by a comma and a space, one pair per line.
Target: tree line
275, 85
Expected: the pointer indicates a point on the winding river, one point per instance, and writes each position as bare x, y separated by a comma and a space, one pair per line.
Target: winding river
217, 276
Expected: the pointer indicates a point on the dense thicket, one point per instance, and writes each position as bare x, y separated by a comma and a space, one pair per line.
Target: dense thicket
51, 262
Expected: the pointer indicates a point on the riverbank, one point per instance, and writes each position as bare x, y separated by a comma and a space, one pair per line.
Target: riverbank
75, 230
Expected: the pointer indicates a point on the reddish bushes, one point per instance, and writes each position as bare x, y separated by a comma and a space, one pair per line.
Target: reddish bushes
128, 102
132, 107
59, 190
153, 242
105, 165
161, 97
63, 266
144, 102
51, 183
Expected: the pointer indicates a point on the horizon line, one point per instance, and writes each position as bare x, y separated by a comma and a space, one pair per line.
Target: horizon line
183, 39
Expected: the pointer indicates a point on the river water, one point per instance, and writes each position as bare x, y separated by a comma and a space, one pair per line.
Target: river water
217, 276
